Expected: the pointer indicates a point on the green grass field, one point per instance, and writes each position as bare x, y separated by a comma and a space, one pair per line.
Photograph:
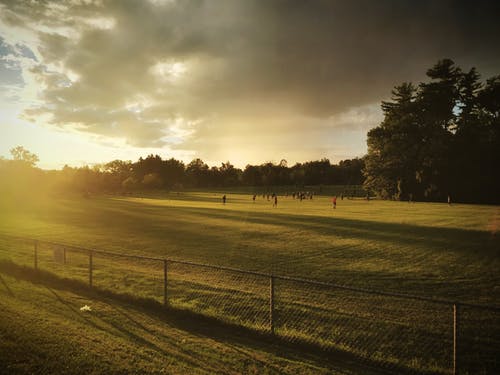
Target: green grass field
43, 331
419, 248
425, 249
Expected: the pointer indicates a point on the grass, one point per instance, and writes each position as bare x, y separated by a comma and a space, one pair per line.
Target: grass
427, 249
451, 252
44, 331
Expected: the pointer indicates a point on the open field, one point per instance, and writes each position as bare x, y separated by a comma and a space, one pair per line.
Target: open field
432, 250
419, 248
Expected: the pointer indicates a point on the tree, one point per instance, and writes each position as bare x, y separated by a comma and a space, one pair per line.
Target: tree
129, 184
440, 138
316, 172
19, 153
252, 175
115, 172
119, 168
19, 180
350, 171
197, 173
390, 168
229, 175
488, 185
151, 164
152, 181
172, 172
439, 111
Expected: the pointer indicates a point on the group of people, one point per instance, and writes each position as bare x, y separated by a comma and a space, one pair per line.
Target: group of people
274, 197
301, 195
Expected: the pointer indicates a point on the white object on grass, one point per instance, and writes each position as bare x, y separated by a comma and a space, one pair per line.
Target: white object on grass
85, 308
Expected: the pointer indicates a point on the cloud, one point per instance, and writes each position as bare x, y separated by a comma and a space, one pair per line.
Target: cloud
271, 138
293, 72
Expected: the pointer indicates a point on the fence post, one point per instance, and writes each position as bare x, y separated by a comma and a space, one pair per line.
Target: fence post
90, 267
456, 322
165, 296
36, 254
271, 304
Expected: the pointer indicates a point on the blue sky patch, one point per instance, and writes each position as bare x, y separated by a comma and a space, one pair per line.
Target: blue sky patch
10, 70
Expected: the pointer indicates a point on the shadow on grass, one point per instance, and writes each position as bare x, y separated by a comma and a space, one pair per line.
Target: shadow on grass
204, 326
406, 234
9, 291
438, 238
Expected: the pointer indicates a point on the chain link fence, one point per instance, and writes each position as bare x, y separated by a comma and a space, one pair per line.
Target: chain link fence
233, 296
399, 332
394, 331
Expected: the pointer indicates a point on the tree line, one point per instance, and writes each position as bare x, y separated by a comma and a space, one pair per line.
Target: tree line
438, 139
156, 173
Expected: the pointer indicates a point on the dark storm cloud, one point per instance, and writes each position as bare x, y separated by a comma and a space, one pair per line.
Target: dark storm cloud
324, 57
259, 65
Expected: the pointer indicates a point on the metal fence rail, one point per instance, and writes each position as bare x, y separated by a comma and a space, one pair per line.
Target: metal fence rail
395, 330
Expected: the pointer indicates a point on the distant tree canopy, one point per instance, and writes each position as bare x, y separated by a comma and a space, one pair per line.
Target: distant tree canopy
437, 139
19, 176
154, 173
20, 154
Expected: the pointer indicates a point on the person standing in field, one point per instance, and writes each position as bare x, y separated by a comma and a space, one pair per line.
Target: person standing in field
275, 203
224, 199
334, 202
254, 196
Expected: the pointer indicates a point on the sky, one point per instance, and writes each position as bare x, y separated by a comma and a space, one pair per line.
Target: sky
245, 81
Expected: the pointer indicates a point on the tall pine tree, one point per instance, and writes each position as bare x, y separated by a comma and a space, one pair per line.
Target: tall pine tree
441, 138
